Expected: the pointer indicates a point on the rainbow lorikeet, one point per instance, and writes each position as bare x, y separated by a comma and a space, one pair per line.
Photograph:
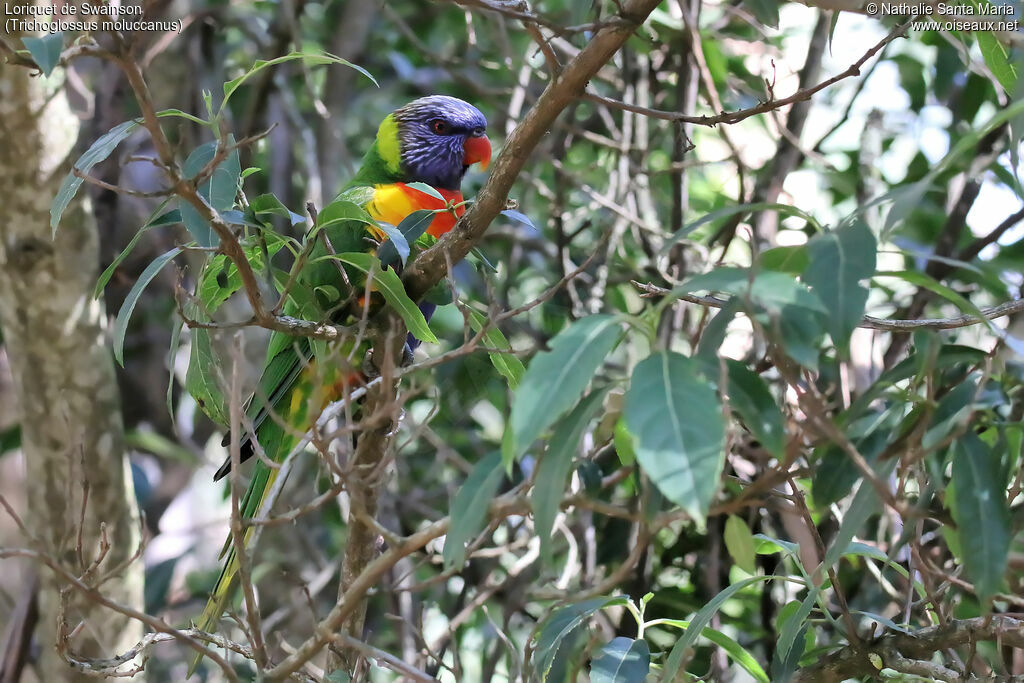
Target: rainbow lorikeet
432, 141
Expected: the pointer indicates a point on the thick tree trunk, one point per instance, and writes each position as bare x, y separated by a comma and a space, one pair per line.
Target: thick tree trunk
79, 484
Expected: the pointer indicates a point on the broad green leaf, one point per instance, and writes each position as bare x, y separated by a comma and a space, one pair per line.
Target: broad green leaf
508, 365
390, 285
740, 544
45, 51
97, 152
311, 57
765, 11
555, 379
270, 204
410, 229
201, 380
676, 422
749, 396
155, 220
341, 211
997, 60
220, 279
769, 289
219, 190
623, 660
791, 259
799, 330
839, 260
125, 314
555, 465
700, 621
469, 509
557, 633
397, 246
427, 190
982, 517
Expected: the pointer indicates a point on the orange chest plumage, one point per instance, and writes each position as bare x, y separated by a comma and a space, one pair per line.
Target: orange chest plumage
393, 202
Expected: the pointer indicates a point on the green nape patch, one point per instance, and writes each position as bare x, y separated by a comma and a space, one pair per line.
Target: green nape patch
387, 144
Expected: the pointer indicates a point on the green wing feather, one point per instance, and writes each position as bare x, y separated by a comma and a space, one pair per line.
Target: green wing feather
289, 386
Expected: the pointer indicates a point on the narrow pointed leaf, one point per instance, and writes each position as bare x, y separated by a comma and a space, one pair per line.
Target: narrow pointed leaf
507, 364
125, 314
550, 483
555, 379
469, 509
390, 286
981, 513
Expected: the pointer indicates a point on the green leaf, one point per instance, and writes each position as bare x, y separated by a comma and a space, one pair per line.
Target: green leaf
623, 441
201, 378
270, 204
699, 622
169, 218
125, 314
341, 211
736, 651
557, 633
409, 229
839, 260
555, 465
765, 11
507, 365
981, 514
740, 544
219, 190
792, 259
390, 285
791, 630
469, 509
310, 57
45, 51
623, 660
865, 503
676, 422
97, 152
519, 217
427, 190
750, 398
555, 379
997, 60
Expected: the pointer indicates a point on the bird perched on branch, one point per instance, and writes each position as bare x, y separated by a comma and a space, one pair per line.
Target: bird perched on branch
416, 163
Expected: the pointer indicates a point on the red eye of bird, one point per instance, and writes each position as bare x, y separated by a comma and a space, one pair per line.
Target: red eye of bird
440, 127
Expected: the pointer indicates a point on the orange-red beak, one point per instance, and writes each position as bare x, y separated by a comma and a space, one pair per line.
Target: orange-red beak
478, 151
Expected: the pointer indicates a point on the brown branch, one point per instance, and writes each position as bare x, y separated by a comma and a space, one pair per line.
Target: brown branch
770, 105
869, 322
896, 649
